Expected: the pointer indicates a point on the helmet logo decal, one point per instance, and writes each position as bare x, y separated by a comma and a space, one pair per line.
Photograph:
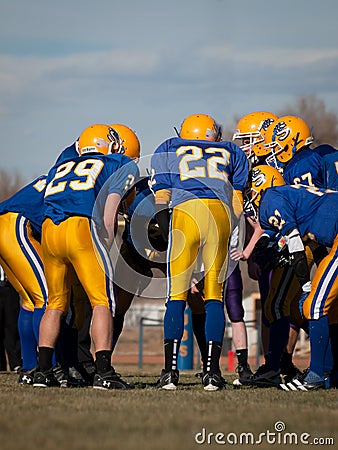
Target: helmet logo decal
281, 131
113, 135
266, 123
258, 177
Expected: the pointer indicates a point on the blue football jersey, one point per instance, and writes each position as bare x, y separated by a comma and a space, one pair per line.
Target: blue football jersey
331, 166
28, 201
68, 153
306, 167
324, 149
75, 186
311, 211
202, 169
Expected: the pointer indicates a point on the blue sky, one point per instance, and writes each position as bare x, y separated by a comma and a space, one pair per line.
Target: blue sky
68, 64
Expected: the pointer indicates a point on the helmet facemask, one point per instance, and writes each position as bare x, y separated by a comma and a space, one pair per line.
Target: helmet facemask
253, 142
249, 207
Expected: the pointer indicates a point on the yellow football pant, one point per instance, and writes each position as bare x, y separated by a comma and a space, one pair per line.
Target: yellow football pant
323, 297
198, 226
72, 244
21, 259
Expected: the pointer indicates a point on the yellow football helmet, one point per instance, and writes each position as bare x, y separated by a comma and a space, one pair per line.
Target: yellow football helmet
130, 144
251, 130
260, 178
99, 138
200, 127
289, 135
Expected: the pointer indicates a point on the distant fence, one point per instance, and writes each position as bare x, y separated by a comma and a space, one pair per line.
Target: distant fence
143, 314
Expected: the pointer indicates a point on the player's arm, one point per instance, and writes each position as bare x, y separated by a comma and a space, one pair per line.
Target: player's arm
160, 185
256, 235
239, 179
162, 214
109, 218
298, 258
127, 200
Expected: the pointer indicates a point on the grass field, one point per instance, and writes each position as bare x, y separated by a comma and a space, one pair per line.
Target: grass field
151, 419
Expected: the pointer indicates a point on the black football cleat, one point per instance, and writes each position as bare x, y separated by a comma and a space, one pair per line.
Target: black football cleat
45, 379
26, 376
264, 378
111, 380
288, 373
213, 382
309, 381
244, 374
168, 380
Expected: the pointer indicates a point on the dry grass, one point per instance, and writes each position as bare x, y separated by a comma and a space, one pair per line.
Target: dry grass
146, 418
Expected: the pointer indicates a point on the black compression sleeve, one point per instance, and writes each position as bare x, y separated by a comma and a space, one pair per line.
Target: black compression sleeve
300, 266
162, 217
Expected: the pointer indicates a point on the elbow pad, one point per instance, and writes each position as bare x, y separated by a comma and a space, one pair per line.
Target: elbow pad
294, 241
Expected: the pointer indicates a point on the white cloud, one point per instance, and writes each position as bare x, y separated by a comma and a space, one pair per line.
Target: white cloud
275, 57
149, 64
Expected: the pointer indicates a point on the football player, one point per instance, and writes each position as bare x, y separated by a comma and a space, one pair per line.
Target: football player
81, 202
22, 216
21, 259
129, 146
194, 173
251, 130
290, 141
297, 212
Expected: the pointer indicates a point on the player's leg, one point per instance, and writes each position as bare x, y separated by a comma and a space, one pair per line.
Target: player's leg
22, 258
11, 338
277, 311
264, 286
333, 332
54, 248
323, 297
196, 303
132, 272
183, 248
234, 306
215, 217
98, 284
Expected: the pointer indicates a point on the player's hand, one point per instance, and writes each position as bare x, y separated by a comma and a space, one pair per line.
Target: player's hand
193, 288
236, 254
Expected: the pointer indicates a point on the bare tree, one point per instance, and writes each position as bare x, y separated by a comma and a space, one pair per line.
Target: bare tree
10, 183
313, 111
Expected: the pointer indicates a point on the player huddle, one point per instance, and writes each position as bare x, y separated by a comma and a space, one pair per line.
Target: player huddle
57, 236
